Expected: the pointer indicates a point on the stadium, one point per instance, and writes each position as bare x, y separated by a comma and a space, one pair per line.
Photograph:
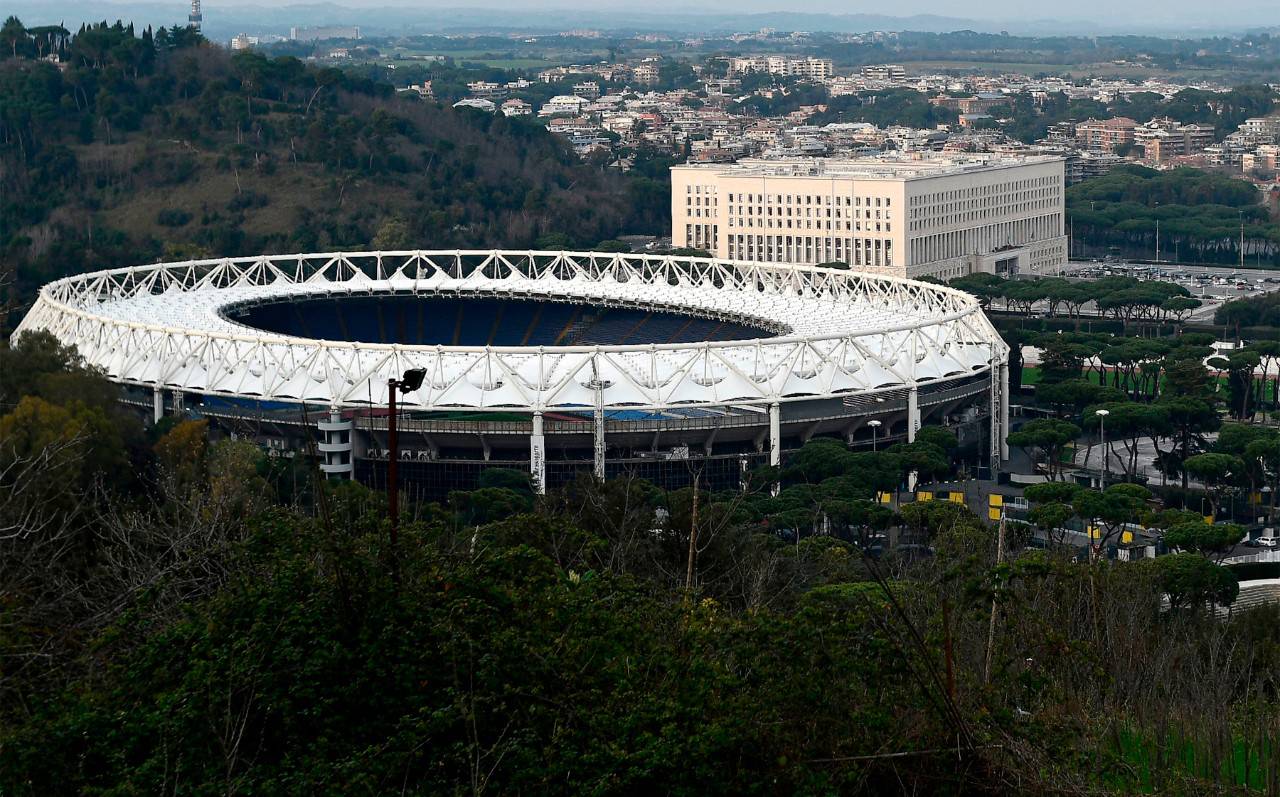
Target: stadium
553, 362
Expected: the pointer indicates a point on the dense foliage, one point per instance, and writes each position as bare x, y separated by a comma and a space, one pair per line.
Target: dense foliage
1200, 216
181, 613
1126, 299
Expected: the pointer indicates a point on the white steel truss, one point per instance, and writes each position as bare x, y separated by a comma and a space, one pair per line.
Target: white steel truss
834, 333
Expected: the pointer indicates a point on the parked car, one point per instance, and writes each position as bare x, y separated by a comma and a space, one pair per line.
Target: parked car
1267, 542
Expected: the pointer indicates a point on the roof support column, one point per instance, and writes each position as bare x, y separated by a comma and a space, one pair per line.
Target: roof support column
775, 435
599, 431
1004, 412
538, 456
157, 403
913, 413
913, 426
999, 416
775, 441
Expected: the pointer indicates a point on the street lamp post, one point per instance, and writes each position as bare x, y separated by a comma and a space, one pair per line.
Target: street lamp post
411, 381
1241, 214
875, 425
1102, 424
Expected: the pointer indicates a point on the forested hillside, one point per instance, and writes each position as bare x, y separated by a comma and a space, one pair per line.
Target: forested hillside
137, 147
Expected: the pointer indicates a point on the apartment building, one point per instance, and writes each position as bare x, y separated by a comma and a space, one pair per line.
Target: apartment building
485, 90
924, 215
884, 72
587, 90
1162, 139
1264, 159
1262, 129
646, 73
1104, 135
812, 68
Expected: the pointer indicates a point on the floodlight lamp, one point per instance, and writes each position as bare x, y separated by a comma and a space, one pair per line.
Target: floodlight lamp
412, 379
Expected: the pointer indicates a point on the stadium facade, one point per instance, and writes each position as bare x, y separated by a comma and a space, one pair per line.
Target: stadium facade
555, 362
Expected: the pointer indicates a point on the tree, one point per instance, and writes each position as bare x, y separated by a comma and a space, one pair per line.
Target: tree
1180, 307
1071, 395
613, 245
1264, 453
928, 519
1052, 507
1204, 538
13, 33
181, 452
1217, 472
1189, 418
942, 439
393, 235
50, 457
1108, 511
1048, 436
1127, 422
1192, 581
1240, 366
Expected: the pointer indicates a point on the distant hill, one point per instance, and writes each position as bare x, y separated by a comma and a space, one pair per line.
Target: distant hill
225, 21
149, 146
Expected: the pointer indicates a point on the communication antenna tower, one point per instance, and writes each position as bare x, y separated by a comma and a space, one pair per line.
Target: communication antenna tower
194, 20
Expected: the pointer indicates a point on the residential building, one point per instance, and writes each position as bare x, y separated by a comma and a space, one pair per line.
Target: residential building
646, 73
908, 215
1264, 159
812, 68
485, 90
563, 104
1164, 139
1105, 135
1086, 164
884, 72
587, 90
423, 90
1262, 129
244, 41
516, 108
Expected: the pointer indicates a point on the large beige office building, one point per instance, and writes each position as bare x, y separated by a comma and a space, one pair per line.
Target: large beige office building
908, 216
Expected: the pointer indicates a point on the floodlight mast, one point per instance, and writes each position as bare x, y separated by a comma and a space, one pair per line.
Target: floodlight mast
409, 382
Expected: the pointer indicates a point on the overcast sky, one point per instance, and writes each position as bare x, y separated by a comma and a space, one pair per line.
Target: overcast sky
1099, 15
1162, 13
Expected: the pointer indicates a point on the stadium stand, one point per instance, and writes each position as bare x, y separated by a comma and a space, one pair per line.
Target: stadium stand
416, 320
